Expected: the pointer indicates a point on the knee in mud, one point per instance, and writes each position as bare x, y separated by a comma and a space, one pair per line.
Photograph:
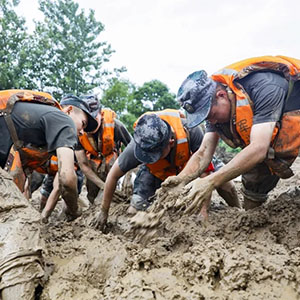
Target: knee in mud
139, 202
252, 199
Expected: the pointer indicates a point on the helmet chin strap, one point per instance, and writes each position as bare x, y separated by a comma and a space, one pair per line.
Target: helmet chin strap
99, 120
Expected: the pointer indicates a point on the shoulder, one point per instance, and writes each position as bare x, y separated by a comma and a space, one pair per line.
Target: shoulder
258, 80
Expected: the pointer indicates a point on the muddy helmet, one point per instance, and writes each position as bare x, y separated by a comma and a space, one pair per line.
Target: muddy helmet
195, 96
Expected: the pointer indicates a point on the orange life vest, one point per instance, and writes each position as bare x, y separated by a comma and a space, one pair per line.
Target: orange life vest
286, 139
104, 148
181, 151
31, 158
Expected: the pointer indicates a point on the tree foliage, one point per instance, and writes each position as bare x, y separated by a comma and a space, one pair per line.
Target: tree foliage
66, 44
13, 48
130, 102
64, 54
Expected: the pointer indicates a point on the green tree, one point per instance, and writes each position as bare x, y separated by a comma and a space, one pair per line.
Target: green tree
14, 65
152, 96
118, 94
66, 49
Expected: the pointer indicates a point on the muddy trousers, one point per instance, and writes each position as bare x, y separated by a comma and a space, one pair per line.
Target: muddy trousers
22, 291
144, 187
21, 263
257, 183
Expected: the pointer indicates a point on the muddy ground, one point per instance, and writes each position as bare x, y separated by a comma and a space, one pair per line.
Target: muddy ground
235, 255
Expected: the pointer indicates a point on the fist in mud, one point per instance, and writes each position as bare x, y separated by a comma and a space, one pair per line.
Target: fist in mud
195, 195
174, 182
70, 216
100, 220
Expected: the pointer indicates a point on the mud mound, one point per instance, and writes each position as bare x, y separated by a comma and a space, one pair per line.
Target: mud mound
235, 255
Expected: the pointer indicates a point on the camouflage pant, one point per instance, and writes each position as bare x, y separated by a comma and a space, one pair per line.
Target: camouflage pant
258, 182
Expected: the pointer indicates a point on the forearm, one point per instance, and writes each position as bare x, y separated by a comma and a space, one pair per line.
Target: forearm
197, 164
87, 170
244, 161
200, 160
92, 176
110, 185
52, 200
69, 192
108, 193
249, 157
67, 178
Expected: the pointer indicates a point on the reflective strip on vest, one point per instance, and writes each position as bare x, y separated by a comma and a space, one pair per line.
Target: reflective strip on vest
109, 125
229, 72
242, 102
181, 141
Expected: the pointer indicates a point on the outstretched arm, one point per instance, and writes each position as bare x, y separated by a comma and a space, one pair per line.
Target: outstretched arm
87, 169
202, 158
67, 179
250, 156
112, 178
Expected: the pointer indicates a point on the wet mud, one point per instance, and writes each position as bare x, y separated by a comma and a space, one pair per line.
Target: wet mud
234, 255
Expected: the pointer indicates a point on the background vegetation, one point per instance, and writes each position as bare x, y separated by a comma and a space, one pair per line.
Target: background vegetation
65, 54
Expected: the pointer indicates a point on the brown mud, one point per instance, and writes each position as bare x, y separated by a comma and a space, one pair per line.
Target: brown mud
234, 255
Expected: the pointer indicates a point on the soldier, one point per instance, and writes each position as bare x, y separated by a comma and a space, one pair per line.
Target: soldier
163, 146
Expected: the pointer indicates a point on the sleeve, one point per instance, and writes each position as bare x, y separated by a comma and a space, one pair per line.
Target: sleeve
127, 160
60, 130
209, 127
268, 91
196, 137
121, 133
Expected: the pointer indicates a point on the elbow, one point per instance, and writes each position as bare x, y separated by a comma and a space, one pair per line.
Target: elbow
261, 152
67, 182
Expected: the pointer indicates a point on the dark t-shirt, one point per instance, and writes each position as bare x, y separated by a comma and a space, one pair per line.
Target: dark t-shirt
268, 91
121, 135
40, 125
127, 160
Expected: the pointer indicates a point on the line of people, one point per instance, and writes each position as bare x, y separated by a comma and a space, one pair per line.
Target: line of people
252, 104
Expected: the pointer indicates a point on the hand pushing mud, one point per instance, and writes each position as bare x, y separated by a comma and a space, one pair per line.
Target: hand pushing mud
172, 197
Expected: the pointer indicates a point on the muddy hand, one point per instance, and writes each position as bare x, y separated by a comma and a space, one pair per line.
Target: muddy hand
100, 220
195, 193
174, 182
70, 216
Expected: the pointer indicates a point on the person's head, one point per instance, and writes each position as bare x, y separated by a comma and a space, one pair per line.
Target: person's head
153, 139
203, 99
94, 106
80, 113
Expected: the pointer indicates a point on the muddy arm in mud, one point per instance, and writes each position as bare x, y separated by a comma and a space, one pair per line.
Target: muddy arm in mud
67, 179
113, 176
244, 161
87, 170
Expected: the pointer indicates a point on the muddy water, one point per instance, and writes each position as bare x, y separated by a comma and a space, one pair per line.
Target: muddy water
235, 255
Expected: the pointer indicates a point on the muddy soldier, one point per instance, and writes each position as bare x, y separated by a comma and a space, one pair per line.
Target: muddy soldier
253, 104
163, 146
95, 153
50, 190
34, 124
98, 150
